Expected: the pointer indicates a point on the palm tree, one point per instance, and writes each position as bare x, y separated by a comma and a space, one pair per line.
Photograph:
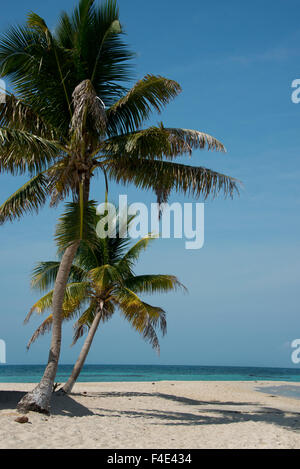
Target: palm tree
70, 117
101, 280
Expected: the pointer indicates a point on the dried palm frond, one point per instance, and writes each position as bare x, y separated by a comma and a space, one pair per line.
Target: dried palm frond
89, 110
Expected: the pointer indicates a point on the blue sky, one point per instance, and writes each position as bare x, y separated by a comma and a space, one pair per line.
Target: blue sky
235, 62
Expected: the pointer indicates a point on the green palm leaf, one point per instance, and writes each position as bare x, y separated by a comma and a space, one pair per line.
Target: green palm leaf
15, 113
164, 177
160, 142
44, 275
22, 151
150, 93
153, 283
29, 198
76, 293
73, 227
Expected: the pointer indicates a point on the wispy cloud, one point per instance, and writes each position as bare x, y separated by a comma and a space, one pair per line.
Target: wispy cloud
277, 54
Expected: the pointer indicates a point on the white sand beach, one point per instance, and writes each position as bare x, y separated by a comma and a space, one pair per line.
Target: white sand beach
158, 415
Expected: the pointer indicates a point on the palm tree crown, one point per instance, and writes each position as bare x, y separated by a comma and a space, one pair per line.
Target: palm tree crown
71, 117
102, 277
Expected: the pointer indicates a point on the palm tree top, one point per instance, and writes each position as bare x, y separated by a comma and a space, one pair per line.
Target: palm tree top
55, 127
102, 275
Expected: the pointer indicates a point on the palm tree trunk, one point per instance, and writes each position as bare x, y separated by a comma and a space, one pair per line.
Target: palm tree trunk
67, 388
39, 399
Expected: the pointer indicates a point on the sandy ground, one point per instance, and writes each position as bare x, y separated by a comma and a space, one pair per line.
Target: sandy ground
155, 415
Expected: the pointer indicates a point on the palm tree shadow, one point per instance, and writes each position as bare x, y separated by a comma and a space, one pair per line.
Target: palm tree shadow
200, 415
10, 399
289, 421
60, 405
204, 416
65, 405
180, 399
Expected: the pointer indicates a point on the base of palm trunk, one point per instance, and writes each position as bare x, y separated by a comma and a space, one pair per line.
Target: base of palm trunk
60, 392
34, 402
67, 388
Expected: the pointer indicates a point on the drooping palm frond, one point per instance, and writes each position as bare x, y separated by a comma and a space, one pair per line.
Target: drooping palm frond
144, 318
22, 151
75, 295
160, 142
154, 322
15, 113
164, 177
88, 112
72, 227
44, 275
42, 305
79, 331
150, 93
87, 318
45, 327
29, 198
153, 283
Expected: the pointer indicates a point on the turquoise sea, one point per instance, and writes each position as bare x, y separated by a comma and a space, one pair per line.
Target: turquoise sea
107, 373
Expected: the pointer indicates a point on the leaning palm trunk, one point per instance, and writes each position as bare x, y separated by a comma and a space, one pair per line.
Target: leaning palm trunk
39, 399
67, 388
84, 97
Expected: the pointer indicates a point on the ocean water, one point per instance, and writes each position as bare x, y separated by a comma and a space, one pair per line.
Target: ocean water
107, 373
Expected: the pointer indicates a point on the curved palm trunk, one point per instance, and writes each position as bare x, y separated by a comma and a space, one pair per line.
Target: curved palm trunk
39, 399
67, 388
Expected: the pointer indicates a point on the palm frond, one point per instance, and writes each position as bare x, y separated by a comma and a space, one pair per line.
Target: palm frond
92, 37
45, 273
79, 331
143, 317
153, 283
105, 276
70, 227
159, 143
22, 151
45, 327
84, 322
75, 295
42, 305
29, 198
31, 63
15, 113
163, 177
152, 92
88, 112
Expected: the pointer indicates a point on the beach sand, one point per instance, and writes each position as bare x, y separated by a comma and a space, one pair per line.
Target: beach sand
161, 415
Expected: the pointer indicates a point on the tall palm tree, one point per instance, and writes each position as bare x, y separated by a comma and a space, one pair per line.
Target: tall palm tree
102, 280
70, 117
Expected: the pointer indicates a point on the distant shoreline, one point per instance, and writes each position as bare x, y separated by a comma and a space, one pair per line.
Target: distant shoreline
150, 373
156, 365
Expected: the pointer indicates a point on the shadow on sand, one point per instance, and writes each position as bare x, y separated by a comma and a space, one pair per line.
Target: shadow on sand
61, 405
196, 413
